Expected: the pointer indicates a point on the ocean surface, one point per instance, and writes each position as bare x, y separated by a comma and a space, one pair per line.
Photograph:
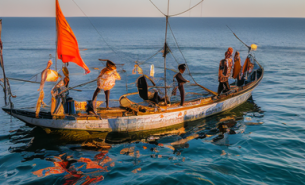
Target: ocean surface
269, 144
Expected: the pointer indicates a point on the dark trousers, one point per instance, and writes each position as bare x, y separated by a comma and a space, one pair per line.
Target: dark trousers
181, 89
156, 98
222, 85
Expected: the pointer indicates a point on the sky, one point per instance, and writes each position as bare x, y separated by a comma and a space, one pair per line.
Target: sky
144, 8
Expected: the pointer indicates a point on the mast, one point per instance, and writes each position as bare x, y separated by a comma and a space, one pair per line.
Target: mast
2, 66
56, 37
165, 50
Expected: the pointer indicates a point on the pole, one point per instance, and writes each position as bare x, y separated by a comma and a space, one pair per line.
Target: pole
2, 66
165, 50
56, 37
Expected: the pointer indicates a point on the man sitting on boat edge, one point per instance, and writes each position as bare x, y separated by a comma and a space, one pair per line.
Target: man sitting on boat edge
145, 94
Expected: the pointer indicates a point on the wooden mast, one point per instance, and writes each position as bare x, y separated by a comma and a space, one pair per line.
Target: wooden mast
56, 37
2, 66
165, 50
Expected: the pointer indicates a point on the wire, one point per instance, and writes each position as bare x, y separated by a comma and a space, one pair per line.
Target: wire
208, 90
239, 38
101, 34
177, 13
157, 8
186, 10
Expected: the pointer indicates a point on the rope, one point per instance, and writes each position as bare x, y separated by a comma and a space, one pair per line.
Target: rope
186, 10
208, 90
239, 38
77, 86
157, 8
100, 34
16, 79
180, 51
177, 13
140, 63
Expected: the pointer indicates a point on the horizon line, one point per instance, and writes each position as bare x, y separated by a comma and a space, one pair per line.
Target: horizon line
134, 17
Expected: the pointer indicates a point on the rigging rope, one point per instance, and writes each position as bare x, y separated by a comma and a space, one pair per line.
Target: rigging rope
67, 89
140, 63
210, 91
101, 34
239, 38
157, 8
177, 13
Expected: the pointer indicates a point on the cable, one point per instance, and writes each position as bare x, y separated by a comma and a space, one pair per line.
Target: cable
100, 34
177, 13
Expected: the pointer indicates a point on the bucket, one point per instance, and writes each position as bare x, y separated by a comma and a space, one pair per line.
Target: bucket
69, 106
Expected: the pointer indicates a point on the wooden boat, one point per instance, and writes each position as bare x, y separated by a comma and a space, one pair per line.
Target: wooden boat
130, 116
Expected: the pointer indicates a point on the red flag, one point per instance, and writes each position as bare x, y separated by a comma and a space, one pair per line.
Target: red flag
67, 46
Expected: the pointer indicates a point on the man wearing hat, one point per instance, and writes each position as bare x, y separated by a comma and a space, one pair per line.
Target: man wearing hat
106, 81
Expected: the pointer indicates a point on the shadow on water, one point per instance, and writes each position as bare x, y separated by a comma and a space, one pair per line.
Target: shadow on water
36, 142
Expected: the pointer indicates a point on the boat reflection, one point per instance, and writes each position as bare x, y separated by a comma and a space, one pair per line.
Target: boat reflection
134, 147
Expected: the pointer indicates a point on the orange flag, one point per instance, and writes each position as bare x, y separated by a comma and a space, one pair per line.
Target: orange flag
67, 46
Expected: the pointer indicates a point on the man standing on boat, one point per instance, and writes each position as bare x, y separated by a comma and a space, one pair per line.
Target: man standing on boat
228, 57
58, 100
181, 81
223, 77
106, 81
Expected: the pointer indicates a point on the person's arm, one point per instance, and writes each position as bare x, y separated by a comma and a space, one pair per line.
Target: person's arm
103, 71
180, 78
117, 75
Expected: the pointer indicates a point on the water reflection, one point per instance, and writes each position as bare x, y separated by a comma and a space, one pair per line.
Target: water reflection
86, 157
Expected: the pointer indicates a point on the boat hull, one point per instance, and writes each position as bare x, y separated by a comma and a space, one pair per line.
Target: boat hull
138, 123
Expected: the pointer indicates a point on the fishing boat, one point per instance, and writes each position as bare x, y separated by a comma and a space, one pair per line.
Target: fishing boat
132, 116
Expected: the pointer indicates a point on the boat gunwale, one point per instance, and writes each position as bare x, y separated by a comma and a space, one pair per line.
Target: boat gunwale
245, 89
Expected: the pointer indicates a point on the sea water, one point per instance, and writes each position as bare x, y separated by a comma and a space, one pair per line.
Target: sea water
267, 149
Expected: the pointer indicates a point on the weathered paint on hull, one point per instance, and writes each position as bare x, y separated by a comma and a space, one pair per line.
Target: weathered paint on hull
143, 122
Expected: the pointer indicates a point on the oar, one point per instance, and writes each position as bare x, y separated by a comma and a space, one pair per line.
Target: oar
210, 91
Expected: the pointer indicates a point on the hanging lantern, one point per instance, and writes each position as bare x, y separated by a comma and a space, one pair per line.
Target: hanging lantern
52, 76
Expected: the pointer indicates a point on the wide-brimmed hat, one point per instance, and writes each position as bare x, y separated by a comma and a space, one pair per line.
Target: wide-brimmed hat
110, 63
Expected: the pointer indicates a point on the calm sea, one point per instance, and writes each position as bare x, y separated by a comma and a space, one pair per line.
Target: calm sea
269, 147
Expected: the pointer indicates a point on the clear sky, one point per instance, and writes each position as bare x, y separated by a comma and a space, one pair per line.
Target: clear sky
143, 8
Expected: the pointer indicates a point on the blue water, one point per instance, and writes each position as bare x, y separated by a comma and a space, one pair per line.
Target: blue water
268, 149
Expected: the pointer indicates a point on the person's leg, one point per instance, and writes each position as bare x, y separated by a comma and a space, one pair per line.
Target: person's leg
107, 95
181, 89
227, 86
98, 90
220, 88
156, 98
